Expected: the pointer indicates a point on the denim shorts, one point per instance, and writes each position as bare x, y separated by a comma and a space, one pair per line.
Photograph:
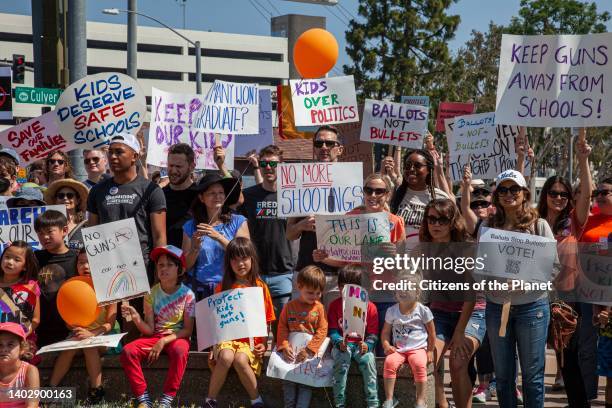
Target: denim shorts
446, 322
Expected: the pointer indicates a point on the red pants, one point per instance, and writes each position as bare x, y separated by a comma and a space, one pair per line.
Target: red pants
134, 353
417, 359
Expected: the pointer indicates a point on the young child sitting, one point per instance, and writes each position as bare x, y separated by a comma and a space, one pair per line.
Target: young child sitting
241, 271
414, 336
169, 312
345, 349
304, 315
103, 325
15, 374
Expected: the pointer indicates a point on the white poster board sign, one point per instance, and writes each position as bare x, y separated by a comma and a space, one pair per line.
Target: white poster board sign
324, 101
593, 284
354, 311
115, 258
555, 80
315, 372
394, 123
344, 236
17, 224
230, 315
111, 340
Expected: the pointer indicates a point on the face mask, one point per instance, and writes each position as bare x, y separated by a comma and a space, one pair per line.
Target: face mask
5, 184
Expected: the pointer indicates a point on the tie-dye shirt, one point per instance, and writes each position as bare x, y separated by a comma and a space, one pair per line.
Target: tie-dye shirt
170, 310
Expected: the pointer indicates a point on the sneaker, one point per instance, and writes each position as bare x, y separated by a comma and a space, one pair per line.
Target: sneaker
493, 388
519, 397
211, 403
481, 394
95, 396
390, 403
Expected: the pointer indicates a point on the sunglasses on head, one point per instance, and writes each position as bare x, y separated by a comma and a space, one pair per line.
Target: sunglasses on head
57, 161
94, 160
477, 205
437, 220
557, 194
265, 163
601, 192
417, 166
514, 190
481, 192
374, 191
328, 143
62, 196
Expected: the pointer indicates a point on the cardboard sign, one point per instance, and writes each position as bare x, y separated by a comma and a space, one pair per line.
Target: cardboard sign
323, 101
354, 312
95, 108
555, 80
415, 100
354, 149
265, 137
394, 123
344, 236
111, 340
448, 110
314, 372
593, 284
230, 315
318, 188
229, 108
516, 256
35, 139
17, 224
115, 258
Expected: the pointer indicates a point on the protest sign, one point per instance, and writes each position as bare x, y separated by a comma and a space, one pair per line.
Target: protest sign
354, 311
594, 283
447, 110
17, 224
555, 80
323, 101
354, 149
394, 123
35, 139
115, 258
314, 372
229, 108
172, 118
318, 188
96, 108
230, 315
415, 100
515, 255
110, 340
265, 137
344, 236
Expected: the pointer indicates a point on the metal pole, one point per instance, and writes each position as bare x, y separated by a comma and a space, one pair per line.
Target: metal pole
198, 55
571, 157
132, 40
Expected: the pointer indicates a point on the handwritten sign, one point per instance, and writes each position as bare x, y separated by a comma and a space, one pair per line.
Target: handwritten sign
555, 80
415, 100
35, 139
229, 108
318, 188
354, 311
314, 372
17, 224
517, 256
115, 258
394, 123
323, 101
172, 122
231, 315
95, 108
265, 137
111, 340
448, 110
594, 283
344, 236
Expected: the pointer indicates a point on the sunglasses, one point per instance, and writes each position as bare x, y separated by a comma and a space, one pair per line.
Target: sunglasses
477, 205
437, 220
328, 143
557, 194
417, 166
601, 192
514, 190
375, 191
57, 161
61, 196
481, 192
265, 163
94, 160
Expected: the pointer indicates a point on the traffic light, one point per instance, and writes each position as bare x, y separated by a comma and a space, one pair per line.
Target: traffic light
18, 68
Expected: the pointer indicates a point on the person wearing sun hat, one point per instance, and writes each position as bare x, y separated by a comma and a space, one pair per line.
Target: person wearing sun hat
73, 194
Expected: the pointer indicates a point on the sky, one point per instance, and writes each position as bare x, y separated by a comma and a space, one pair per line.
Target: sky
253, 16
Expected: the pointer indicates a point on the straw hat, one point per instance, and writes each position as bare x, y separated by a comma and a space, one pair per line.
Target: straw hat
80, 188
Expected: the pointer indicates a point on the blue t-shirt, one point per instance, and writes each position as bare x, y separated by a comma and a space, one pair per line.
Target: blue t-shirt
209, 265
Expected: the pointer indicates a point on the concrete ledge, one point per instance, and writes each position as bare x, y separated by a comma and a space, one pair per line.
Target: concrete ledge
195, 383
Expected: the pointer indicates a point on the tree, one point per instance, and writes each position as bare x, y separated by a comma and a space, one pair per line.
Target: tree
401, 47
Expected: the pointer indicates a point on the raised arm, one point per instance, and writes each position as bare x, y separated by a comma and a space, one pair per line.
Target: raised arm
583, 201
466, 199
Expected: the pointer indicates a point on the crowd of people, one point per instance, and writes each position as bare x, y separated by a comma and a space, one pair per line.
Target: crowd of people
207, 235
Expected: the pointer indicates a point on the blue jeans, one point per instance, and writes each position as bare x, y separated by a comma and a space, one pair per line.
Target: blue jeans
367, 366
280, 291
296, 395
527, 330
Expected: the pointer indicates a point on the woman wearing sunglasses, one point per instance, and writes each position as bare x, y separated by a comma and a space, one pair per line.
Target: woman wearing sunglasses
57, 167
475, 201
73, 194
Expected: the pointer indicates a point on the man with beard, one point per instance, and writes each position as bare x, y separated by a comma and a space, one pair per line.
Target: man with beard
179, 192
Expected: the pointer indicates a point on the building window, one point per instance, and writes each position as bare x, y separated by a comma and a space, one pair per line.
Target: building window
142, 73
16, 37
240, 79
232, 54
121, 46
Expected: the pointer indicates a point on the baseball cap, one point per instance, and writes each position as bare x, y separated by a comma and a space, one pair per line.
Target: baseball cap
5, 151
169, 250
127, 139
27, 193
477, 183
512, 175
13, 328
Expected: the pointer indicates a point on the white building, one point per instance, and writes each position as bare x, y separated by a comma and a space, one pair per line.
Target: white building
165, 61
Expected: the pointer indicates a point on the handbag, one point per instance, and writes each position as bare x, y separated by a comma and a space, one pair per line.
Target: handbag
563, 322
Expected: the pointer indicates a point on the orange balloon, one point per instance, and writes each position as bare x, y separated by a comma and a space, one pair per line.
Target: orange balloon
315, 53
86, 279
77, 303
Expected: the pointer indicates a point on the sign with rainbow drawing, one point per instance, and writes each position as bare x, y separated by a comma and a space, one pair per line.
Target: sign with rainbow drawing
115, 258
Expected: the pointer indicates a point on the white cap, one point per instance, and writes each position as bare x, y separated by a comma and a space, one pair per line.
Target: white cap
127, 139
477, 183
512, 175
